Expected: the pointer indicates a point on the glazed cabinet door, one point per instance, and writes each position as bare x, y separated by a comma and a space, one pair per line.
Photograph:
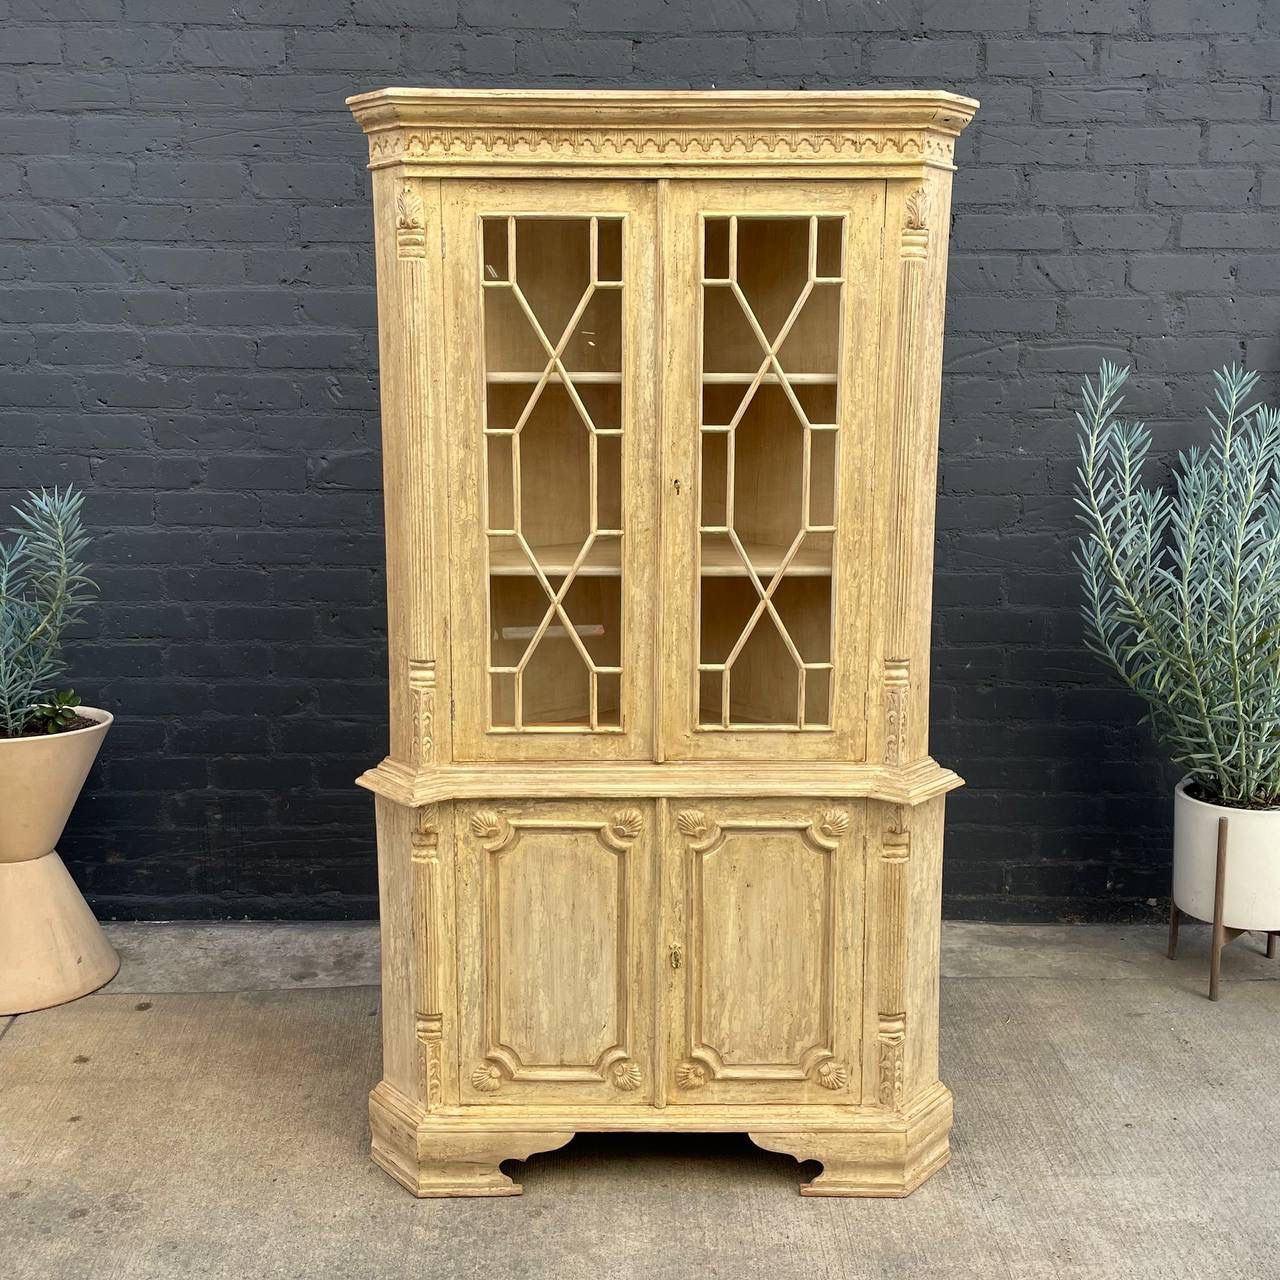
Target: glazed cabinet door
771, 339
764, 909
556, 953
550, 294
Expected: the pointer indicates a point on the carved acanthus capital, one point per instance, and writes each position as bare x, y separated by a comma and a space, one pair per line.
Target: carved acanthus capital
411, 239
422, 691
916, 211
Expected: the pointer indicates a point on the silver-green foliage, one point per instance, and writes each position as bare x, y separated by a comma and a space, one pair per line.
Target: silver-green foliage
1182, 587
44, 588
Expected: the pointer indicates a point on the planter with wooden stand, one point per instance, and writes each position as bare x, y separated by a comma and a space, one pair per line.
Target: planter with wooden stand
1226, 870
659, 835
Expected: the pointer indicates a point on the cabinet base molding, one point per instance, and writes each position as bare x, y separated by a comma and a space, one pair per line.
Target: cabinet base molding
864, 1152
888, 1162
433, 1160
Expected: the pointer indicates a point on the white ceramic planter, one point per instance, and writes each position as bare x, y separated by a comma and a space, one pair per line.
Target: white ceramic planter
1252, 896
51, 948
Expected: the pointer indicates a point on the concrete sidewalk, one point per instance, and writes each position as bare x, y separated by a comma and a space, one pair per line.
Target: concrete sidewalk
203, 1116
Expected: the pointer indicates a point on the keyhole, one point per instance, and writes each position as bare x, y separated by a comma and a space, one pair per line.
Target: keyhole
677, 485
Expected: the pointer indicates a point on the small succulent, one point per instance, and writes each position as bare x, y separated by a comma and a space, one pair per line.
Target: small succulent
59, 713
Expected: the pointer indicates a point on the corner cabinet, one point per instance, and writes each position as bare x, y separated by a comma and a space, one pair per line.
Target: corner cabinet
659, 837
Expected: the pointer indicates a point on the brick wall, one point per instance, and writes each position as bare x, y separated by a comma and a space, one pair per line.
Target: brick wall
187, 330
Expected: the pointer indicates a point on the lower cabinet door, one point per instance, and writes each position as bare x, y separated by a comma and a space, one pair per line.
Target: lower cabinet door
556, 952
764, 905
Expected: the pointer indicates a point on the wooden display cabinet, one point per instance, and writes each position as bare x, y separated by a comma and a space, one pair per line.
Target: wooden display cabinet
659, 837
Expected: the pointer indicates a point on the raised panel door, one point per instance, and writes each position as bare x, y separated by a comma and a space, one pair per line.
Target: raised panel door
764, 918
555, 963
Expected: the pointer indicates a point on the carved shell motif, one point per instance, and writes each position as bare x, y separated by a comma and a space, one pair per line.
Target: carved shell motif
834, 823
627, 823
485, 824
691, 1075
692, 823
626, 1075
832, 1074
486, 1078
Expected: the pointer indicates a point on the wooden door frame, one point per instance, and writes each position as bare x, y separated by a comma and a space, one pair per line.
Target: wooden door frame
463, 203
685, 204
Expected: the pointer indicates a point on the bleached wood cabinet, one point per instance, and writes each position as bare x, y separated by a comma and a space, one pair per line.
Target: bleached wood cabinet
659, 836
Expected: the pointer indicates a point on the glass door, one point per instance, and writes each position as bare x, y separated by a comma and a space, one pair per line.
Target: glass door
774, 302
551, 287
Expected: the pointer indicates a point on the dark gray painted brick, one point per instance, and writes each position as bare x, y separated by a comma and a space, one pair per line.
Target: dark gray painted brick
954, 59
1077, 16
1231, 230
1072, 104
1134, 144
120, 46
1168, 59
1210, 102
1244, 143
701, 59
1073, 187
1121, 230
1039, 59
1203, 15
77, 177
1250, 58
220, 47
25, 45
994, 15
564, 57
1208, 186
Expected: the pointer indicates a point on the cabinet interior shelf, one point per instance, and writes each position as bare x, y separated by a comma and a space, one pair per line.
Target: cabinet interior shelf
720, 560
525, 377
604, 560
721, 379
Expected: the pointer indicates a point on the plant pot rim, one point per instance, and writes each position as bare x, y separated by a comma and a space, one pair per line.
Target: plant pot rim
104, 720
1181, 791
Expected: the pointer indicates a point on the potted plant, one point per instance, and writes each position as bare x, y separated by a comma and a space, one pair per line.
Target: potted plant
51, 947
1182, 600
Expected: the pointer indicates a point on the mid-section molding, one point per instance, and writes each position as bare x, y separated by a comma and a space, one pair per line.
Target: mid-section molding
912, 784
638, 133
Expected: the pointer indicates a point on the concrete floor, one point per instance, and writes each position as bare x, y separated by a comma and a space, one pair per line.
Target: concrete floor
203, 1116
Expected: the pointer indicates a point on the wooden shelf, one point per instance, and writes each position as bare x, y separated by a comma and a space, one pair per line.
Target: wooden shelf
723, 561
604, 560
714, 379
525, 377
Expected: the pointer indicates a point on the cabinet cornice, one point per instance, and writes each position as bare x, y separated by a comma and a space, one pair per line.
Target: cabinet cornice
890, 133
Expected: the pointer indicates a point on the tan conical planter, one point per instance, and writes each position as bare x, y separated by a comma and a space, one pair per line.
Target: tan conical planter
51, 948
